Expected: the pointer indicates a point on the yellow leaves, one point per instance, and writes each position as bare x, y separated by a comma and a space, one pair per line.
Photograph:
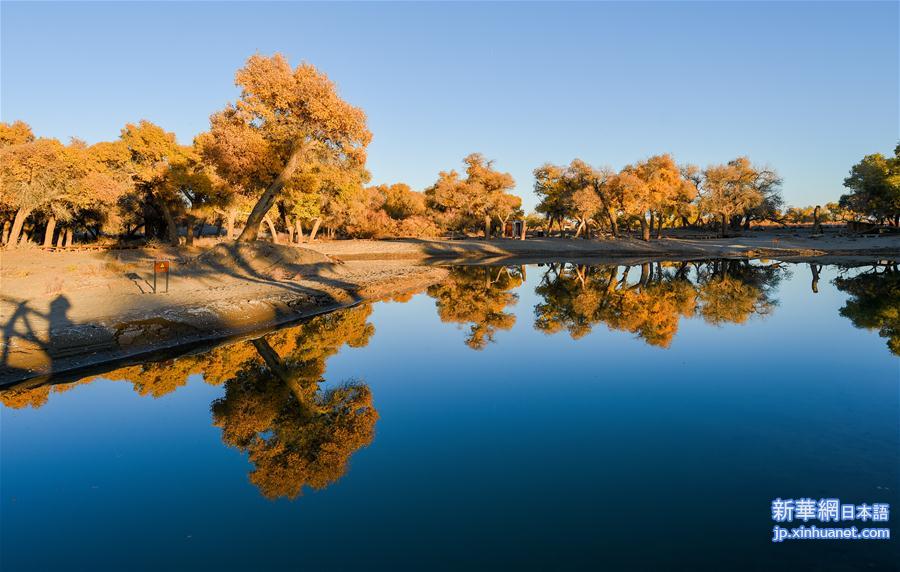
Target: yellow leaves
733, 188
33, 174
462, 204
576, 297
280, 108
15, 133
151, 149
478, 296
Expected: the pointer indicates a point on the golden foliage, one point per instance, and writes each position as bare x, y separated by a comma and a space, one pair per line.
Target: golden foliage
478, 296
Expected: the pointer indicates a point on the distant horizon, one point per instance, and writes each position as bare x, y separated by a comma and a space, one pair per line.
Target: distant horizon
807, 88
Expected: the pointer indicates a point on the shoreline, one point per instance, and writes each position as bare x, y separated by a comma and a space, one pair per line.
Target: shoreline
232, 291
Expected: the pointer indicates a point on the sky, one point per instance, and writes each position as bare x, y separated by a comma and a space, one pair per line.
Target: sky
807, 88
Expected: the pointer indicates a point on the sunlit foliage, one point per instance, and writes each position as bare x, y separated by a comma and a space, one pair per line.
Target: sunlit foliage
467, 204
874, 185
478, 296
651, 304
287, 122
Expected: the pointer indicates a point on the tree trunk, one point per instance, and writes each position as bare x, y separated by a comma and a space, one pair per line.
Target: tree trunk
60, 240
171, 227
817, 228
659, 226
652, 222
613, 224
524, 230
265, 202
487, 227
189, 231
685, 222
272, 231
299, 229
290, 229
724, 224
229, 224
70, 237
16, 231
315, 229
4, 237
48, 233
645, 230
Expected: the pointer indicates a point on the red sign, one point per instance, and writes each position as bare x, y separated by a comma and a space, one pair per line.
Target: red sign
161, 266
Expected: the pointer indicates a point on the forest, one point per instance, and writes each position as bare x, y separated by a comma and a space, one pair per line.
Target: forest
287, 159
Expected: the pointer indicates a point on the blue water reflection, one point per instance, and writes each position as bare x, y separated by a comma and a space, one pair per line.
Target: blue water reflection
555, 416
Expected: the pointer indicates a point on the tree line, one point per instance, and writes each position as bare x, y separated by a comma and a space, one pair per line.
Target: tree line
288, 157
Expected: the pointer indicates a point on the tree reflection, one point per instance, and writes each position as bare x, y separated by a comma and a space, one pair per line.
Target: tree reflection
576, 297
274, 409
874, 302
478, 296
733, 290
295, 433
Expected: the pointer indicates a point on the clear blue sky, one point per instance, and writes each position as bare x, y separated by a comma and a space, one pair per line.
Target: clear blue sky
807, 88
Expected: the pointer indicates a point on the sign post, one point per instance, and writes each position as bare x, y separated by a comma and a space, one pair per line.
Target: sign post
160, 266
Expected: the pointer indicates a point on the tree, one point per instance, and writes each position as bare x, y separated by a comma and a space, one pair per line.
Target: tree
15, 133
635, 197
466, 204
874, 185
33, 176
401, 202
555, 199
152, 152
768, 183
286, 122
665, 193
730, 190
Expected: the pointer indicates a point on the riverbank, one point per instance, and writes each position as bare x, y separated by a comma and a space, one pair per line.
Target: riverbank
63, 311
770, 243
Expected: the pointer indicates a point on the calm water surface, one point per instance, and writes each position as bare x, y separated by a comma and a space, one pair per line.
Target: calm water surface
539, 417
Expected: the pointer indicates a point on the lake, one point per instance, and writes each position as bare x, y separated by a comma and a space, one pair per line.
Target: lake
556, 416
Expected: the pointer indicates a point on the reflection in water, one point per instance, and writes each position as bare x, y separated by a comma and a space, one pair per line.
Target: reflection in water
576, 297
273, 409
874, 302
297, 434
478, 296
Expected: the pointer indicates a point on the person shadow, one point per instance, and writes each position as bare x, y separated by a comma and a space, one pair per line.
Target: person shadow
37, 329
58, 316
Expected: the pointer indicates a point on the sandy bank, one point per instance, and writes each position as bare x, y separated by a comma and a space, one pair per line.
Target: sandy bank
774, 244
69, 310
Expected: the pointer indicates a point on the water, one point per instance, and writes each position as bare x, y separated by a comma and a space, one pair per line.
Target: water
551, 416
